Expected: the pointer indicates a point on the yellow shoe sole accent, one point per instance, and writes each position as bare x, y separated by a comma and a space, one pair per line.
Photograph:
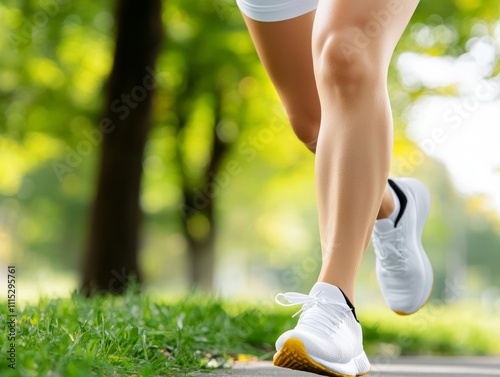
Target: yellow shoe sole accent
293, 355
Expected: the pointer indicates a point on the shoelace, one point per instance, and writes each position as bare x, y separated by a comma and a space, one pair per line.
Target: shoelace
333, 312
390, 250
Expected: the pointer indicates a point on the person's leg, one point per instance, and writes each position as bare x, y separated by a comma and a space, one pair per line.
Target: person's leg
352, 46
285, 50
353, 155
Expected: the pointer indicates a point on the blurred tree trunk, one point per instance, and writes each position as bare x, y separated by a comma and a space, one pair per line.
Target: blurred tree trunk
113, 240
198, 207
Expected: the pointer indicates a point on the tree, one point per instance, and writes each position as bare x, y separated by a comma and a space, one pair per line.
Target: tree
198, 206
211, 71
113, 240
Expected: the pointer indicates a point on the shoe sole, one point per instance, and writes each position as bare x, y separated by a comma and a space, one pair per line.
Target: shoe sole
419, 193
293, 355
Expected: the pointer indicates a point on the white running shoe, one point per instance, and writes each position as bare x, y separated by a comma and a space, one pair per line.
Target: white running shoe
327, 339
403, 269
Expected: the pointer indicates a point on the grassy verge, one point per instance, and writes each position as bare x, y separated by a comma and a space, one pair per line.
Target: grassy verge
135, 335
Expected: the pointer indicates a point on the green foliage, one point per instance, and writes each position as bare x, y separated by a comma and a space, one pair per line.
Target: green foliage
435, 330
135, 334
51, 94
120, 336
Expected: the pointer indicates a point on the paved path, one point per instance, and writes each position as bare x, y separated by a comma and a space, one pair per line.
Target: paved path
400, 367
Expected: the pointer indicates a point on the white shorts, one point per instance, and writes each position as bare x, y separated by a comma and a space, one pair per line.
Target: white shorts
276, 10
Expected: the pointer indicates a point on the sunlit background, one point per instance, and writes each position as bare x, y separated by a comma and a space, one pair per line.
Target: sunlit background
444, 85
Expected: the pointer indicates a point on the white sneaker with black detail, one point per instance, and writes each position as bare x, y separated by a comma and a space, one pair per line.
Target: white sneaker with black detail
327, 340
403, 268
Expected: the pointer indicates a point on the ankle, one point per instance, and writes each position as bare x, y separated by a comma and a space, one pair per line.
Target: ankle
346, 289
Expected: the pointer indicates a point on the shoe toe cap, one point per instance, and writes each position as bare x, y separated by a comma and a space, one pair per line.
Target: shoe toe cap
405, 293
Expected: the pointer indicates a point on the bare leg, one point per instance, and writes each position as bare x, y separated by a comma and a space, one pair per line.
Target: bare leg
352, 46
285, 50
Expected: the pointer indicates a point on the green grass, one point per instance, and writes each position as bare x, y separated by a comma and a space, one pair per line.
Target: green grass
136, 335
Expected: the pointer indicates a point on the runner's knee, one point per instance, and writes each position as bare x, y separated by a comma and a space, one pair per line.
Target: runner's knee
340, 65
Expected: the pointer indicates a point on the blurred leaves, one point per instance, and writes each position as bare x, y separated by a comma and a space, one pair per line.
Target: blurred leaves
52, 76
